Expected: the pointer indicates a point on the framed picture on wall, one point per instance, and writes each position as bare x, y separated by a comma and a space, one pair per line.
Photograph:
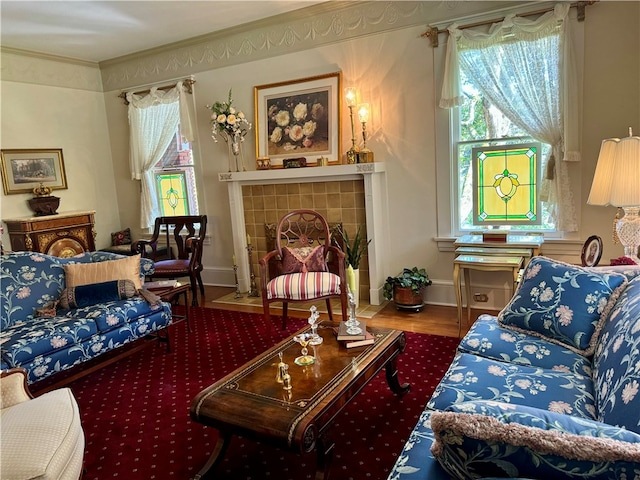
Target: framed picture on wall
24, 170
299, 118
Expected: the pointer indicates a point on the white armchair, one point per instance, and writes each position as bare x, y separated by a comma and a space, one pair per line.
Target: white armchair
40, 437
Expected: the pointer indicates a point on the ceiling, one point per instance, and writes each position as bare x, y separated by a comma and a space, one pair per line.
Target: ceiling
97, 30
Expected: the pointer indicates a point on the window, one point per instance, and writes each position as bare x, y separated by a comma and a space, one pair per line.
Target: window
520, 88
493, 156
175, 181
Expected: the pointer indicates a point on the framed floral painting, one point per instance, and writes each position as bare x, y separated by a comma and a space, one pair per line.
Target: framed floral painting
24, 170
299, 118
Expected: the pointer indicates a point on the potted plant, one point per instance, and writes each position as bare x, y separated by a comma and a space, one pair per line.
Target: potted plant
354, 249
407, 289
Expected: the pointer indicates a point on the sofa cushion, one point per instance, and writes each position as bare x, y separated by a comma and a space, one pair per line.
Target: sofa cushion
471, 377
24, 341
476, 439
304, 286
111, 315
86, 295
125, 268
29, 281
416, 462
617, 362
489, 339
562, 303
37, 444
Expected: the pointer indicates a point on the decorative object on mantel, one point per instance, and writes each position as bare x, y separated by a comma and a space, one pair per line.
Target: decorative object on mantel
322, 161
298, 117
365, 155
253, 287
232, 126
615, 182
351, 95
294, 162
43, 203
263, 163
26, 169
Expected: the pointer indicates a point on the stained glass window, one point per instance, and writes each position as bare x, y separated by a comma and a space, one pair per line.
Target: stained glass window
175, 181
505, 180
172, 191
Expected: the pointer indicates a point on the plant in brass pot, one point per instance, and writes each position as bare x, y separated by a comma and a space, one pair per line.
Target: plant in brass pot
407, 289
354, 248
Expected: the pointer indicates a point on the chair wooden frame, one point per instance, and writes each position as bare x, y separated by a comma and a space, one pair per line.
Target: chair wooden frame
188, 242
303, 228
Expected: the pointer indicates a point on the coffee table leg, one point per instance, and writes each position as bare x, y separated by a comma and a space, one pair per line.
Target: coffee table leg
324, 450
392, 378
218, 452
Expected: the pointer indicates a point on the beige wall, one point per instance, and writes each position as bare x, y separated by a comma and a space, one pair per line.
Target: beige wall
68, 113
394, 71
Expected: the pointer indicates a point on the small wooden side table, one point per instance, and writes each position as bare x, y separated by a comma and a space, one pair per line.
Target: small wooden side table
172, 296
486, 263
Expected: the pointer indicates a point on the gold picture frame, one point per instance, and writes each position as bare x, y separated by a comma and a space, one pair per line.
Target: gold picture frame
299, 118
25, 169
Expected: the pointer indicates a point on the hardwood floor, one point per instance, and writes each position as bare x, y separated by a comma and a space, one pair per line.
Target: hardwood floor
433, 319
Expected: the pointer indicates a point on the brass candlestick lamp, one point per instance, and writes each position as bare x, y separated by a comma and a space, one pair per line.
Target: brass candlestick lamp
365, 155
351, 96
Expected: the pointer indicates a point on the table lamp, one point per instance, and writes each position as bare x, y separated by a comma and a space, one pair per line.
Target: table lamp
617, 182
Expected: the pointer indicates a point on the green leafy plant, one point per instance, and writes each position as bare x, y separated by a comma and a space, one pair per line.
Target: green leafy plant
354, 247
414, 278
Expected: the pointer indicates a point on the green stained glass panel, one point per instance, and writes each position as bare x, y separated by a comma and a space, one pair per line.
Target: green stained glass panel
172, 188
505, 184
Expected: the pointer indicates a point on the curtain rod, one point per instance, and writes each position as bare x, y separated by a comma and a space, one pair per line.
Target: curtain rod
187, 82
433, 32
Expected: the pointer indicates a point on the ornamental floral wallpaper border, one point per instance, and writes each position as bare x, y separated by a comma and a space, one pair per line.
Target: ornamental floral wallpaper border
296, 31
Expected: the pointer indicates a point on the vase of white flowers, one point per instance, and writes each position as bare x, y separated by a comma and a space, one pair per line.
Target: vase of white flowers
232, 125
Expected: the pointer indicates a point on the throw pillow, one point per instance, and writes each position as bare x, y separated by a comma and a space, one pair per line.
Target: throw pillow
123, 237
127, 268
95, 293
485, 438
303, 259
563, 303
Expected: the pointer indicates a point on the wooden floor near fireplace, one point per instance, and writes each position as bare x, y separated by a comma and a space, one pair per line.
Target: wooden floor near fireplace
433, 319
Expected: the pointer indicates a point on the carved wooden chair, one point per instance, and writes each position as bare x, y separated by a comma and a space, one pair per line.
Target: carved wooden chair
188, 234
304, 266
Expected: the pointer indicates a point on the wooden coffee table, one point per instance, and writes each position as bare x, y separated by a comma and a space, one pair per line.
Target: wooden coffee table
250, 403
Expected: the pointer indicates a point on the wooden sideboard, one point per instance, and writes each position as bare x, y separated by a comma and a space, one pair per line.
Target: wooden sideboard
61, 235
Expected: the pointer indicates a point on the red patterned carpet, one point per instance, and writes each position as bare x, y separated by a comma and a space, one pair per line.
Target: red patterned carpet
135, 413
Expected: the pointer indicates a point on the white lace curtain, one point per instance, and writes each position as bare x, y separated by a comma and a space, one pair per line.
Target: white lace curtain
153, 121
526, 69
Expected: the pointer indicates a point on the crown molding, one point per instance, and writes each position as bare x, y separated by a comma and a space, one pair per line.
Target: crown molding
23, 66
46, 56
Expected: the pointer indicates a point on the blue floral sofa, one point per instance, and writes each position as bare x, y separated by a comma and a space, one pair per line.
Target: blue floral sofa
45, 341
549, 388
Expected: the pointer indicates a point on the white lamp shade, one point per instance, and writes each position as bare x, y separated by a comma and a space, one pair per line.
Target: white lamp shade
617, 178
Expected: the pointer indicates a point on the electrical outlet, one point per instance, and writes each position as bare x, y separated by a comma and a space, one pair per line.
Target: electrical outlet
480, 297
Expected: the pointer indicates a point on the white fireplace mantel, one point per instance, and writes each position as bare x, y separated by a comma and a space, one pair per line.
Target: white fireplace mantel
375, 193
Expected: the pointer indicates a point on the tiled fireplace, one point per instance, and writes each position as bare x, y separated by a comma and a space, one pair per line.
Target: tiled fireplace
348, 194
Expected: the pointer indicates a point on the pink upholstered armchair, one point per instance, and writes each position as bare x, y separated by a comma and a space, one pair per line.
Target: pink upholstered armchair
304, 266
